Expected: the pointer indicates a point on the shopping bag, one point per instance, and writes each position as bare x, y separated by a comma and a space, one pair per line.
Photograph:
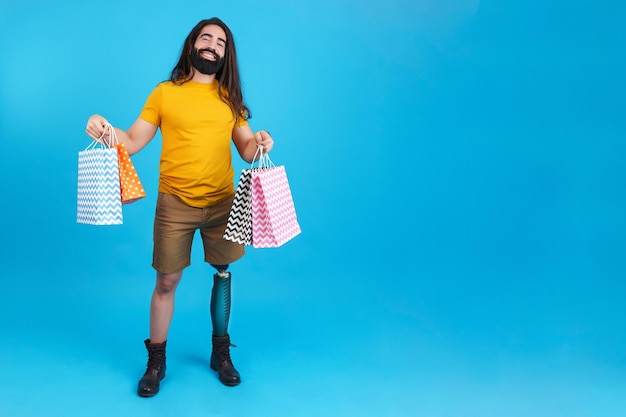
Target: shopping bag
131, 188
274, 220
99, 201
239, 227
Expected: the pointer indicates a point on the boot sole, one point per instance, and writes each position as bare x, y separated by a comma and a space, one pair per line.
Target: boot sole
150, 394
227, 383
230, 384
147, 394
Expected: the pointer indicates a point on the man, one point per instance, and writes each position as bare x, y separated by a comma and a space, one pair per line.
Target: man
199, 110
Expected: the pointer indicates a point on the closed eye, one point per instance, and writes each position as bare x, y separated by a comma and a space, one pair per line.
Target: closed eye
206, 37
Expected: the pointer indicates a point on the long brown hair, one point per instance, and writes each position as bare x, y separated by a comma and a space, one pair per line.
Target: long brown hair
228, 76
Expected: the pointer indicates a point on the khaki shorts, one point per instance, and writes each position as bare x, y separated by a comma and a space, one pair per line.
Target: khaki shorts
175, 224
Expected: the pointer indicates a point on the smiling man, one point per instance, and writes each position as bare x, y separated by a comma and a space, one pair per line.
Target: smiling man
199, 111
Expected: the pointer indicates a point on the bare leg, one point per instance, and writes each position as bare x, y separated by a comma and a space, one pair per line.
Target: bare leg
162, 305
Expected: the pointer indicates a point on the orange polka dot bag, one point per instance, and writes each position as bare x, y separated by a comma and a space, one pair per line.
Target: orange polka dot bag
131, 189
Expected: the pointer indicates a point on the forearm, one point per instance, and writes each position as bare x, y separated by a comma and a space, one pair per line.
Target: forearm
138, 136
248, 153
125, 138
248, 143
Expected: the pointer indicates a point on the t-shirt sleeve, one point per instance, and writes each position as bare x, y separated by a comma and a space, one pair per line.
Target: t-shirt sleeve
151, 112
241, 122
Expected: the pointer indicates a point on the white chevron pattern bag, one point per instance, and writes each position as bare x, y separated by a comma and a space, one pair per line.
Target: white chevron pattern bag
99, 199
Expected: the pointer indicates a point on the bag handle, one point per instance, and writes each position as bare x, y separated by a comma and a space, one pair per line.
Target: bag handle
113, 140
264, 159
266, 162
102, 141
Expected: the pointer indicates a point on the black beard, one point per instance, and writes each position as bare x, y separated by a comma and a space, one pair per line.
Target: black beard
204, 65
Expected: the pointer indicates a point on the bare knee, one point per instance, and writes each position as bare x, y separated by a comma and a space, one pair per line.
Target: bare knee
166, 283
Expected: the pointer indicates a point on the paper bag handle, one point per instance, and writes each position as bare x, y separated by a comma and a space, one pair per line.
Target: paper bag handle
113, 140
264, 159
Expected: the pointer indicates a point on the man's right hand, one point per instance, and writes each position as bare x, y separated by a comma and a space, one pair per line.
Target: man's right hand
97, 128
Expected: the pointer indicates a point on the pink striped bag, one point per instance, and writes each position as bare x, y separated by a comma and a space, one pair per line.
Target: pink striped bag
274, 220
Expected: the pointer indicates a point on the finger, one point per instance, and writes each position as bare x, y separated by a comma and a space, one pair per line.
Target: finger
95, 131
258, 139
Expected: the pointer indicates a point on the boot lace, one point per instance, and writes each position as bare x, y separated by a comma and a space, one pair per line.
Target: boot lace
156, 359
223, 351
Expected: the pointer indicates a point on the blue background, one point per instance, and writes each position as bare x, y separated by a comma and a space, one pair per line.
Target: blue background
457, 169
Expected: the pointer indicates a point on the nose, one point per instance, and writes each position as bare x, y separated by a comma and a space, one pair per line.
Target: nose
213, 44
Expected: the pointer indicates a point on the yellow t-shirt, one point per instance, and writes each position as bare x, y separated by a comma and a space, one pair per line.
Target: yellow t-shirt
196, 126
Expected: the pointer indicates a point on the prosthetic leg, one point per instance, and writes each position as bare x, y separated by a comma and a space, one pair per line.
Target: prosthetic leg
220, 315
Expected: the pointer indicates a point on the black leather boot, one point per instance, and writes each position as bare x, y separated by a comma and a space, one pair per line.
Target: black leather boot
149, 384
220, 361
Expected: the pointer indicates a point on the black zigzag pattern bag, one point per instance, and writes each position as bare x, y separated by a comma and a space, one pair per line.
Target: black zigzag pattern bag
239, 227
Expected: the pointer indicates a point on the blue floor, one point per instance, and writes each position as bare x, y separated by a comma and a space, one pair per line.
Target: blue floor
350, 341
